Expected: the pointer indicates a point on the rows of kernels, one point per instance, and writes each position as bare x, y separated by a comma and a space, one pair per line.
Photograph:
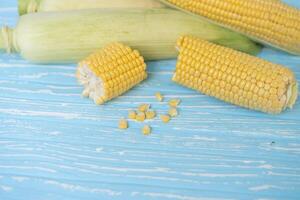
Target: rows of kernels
232, 76
119, 67
267, 20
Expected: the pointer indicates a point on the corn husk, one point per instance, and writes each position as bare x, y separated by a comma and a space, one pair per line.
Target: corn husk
29, 6
64, 37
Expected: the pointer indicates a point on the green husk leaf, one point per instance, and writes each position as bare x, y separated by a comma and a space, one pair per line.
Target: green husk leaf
56, 37
24, 5
29, 6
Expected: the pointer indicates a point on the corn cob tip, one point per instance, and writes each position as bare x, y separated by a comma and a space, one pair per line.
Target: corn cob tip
28, 6
110, 72
234, 77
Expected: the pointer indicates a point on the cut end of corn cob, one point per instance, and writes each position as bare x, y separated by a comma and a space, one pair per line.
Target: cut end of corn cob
111, 72
234, 77
271, 22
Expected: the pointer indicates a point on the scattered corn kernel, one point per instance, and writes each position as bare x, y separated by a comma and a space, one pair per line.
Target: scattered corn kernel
140, 116
174, 102
123, 124
144, 107
150, 114
132, 114
165, 118
146, 130
159, 96
173, 112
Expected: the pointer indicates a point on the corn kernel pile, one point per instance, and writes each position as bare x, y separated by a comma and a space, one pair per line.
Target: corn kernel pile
144, 112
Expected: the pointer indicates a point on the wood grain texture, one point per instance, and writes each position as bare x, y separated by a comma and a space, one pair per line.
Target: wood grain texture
56, 145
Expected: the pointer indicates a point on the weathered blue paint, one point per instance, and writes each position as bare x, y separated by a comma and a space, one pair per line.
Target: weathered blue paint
56, 145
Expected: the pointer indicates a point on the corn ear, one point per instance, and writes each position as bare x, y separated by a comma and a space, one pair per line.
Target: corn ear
270, 22
29, 6
64, 37
110, 72
234, 77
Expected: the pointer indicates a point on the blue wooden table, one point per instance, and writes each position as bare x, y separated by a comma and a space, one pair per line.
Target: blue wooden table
56, 145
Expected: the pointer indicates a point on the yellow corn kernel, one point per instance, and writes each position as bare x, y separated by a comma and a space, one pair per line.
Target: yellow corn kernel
132, 114
241, 79
150, 114
165, 118
159, 97
144, 107
123, 124
146, 130
174, 102
173, 112
110, 72
271, 22
140, 116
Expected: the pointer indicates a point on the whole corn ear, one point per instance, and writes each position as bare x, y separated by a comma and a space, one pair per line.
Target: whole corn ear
234, 77
110, 72
29, 6
62, 37
268, 21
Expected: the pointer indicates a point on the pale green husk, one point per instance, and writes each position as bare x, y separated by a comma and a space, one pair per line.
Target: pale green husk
26, 6
55, 37
29, 6
295, 50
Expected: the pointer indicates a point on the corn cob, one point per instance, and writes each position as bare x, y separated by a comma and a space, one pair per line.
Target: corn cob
29, 6
268, 21
234, 77
66, 37
110, 72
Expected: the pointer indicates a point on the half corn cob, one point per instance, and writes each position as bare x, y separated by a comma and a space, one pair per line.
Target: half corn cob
29, 6
110, 72
234, 77
55, 37
268, 21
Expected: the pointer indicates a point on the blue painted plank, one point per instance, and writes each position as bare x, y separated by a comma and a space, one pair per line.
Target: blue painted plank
56, 145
